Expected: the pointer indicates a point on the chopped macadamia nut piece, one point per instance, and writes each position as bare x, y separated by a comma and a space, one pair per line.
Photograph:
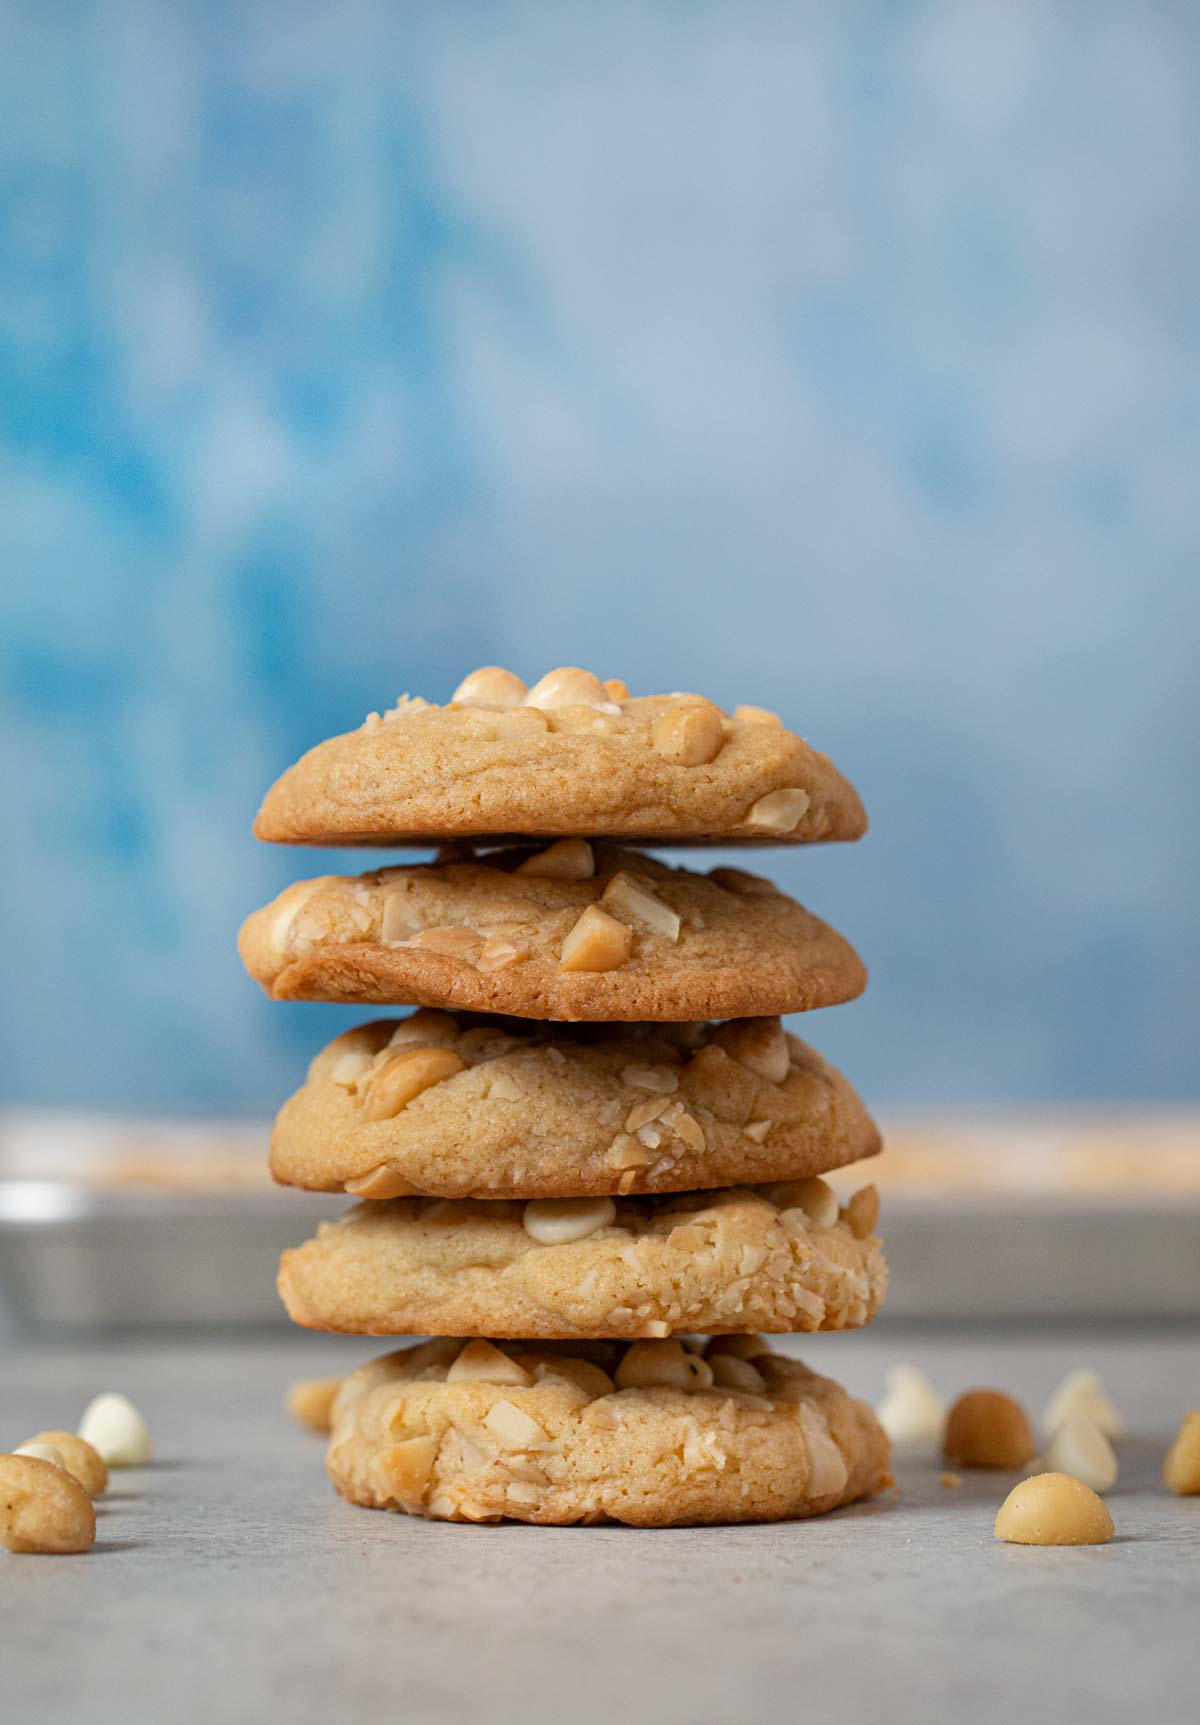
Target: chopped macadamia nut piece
626, 898
730, 1373
566, 859
404, 1077
512, 1428
862, 1212
756, 716
116, 1430
310, 1402
911, 1411
597, 942
428, 1027
43, 1508
406, 1468
1081, 1395
1181, 1470
568, 686
1053, 1509
759, 1044
491, 686
481, 1363
689, 732
986, 1428
617, 690
777, 812
380, 1184
663, 1364
814, 1196
741, 1347
558, 1221
1080, 1448
827, 1464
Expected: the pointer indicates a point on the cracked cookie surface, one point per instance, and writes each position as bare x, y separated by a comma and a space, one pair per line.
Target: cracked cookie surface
778, 1258
631, 939
518, 1108
550, 1436
570, 757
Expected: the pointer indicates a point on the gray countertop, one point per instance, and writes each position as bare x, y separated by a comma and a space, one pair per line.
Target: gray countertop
229, 1582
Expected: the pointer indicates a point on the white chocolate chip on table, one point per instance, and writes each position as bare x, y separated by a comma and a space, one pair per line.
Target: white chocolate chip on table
911, 1411
1181, 1469
116, 1431
1079, 1447
1082, 1395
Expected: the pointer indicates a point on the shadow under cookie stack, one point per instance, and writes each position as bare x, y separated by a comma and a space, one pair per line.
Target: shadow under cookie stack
593, 1145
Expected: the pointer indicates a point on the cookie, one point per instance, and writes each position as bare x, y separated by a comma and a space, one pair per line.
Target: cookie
570, 757
570, 932
776, 1258
474, 1107
653, 1435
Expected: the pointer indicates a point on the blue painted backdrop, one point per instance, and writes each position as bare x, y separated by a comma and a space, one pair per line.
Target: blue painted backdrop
843, 359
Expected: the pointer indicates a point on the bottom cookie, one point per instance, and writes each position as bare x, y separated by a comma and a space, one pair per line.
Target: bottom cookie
653, 1434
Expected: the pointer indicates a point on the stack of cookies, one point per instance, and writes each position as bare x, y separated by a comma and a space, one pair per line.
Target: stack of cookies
593, 1145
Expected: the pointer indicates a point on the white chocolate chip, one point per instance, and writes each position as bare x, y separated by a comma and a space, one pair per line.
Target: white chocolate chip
1081, 1394
777, 812
1080, 1448
627, 898
558, 1221
911, 1411
491, 686
426, 1028
349, 1067
481, 1363
757, 1131
43, 1452
116, 1430
815, 1197
568, 686
381, 1183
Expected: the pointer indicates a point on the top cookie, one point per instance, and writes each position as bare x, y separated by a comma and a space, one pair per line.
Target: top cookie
571, 757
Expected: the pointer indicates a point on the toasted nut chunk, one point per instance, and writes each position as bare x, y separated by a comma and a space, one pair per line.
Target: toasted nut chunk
730, 1373
565, 859
862, 1212
512, 1428
626, 1152
741, 1347
499, 951
426, 1028
491, 686
986, 1428
381, 1183
617, 690
757, 1131
116, 1430
1081, 1449
1081, 1394
597, 942
43, 1452
400, 919
777, 812
450, 942
406, 1076
911, 1411
558, 1221
481, 1363
1181, 1470
759, 1044
827, 1471
79, 1458
814, 1196
688, 733
1053, 1509
664, 1365
43, 1508
568, 686
405, 1468
634, 903
310, 1401
756, 716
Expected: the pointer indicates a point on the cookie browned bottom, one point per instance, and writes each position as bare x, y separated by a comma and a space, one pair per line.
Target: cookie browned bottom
553, 1437
470, 1107
661, 769
486, 935
777, 1258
